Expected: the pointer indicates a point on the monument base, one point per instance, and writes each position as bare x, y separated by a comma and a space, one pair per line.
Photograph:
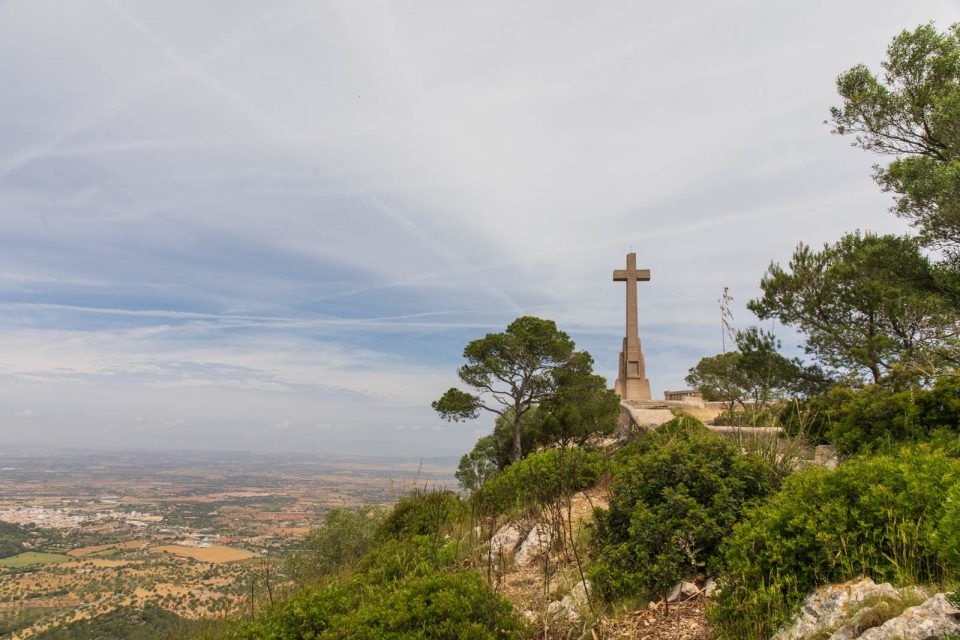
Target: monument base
636, 389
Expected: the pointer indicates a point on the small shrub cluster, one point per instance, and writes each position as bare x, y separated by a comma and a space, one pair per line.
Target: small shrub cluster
344, 537
884, 516
438, 606
877, 416
676, 493
542, 478
748, 417
421, 513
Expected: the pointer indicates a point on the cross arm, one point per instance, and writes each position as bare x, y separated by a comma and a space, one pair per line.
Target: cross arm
623, 275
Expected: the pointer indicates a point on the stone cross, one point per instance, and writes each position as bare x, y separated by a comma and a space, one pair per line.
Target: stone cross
632, 383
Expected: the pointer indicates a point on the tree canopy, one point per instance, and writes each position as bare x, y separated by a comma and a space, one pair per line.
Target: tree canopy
756, 372
530, 364
912, 113
867, 305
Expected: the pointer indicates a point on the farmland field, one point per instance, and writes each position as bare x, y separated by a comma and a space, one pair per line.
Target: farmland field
207, 554
33, 557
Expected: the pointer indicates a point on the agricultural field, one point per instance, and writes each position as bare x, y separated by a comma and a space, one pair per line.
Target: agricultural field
98, 538
33, 558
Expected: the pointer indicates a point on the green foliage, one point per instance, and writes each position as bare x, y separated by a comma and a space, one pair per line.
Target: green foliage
749, 416
405, 586
124, 623
440, 606
479, 465
512, 372
344, 537
912, 113
878, 416
756, 373
422, 513
542, 478
868, 305
874, 516
719, 379
676, 493
12, 539
582, 407
947, 536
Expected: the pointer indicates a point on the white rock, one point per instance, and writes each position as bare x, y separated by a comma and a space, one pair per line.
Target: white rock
562, 611
709, 587
682, 591
826, 609
933, 619
537, 543
529, 616
505, 540
579, 594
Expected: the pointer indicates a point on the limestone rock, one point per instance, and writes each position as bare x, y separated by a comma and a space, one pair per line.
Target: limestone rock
573, 605
529, 616
682, 591
579, 595
935, 618
537, 543
825, 456
828, 608
562, 611
709, 587
505, 540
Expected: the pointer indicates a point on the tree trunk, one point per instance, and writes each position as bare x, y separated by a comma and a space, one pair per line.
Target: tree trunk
517, 443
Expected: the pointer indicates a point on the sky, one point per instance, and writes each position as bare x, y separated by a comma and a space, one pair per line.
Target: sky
273, 226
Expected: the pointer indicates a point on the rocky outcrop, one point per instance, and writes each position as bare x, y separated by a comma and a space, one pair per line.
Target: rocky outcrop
573, 606
537, 544
862, 609
935, 618
683, 591
504, 542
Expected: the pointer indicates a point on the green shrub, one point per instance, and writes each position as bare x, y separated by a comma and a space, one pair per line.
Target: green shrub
676, 493
947, 536
542, 478
748, 417
421, 513
344, 537
874, 516
440, 606
394, 559
876, 417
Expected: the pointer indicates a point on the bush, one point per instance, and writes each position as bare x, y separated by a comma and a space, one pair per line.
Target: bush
421, 513
747, 417
542, 478
873, 516
441, 606
947, 536
877, 417
344, 537
676, 493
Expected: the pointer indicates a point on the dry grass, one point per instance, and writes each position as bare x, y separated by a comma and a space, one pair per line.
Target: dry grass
682, 621
215, 554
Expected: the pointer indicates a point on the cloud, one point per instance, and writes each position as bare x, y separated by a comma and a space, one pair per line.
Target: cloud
306, 209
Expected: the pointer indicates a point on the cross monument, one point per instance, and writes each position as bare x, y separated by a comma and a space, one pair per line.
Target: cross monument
632, 383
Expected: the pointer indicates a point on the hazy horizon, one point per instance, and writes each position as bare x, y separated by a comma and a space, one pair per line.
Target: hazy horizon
273, 228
